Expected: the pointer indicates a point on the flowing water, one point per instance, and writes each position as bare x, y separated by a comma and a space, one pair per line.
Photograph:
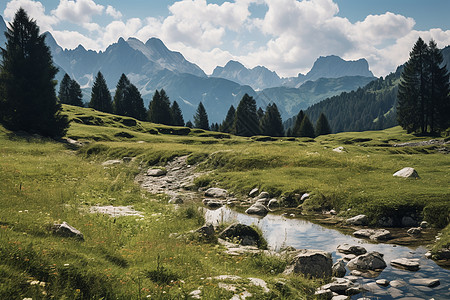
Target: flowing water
302, 234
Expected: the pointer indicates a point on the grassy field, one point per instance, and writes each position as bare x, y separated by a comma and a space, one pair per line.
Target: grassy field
43, 182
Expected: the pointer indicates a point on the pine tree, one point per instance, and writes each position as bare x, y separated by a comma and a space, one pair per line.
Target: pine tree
227, 124
189, 124
246, 122
64, 90
201, 118
75, 95
135, 103
28, 99
271, 123
306, 128
159, 108
176, 115
322, 126
100, 95
298, 122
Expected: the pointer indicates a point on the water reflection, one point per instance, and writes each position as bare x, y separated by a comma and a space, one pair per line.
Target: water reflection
302, 234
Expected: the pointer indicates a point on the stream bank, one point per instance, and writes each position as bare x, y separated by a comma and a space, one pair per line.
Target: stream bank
291, 229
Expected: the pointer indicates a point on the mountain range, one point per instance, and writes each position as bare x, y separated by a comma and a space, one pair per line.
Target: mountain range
151, 65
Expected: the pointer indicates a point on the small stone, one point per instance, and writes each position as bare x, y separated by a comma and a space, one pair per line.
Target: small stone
304, 197
253, 192
112, 162
414, 231
359, 220
195, 294
216, 193
349, 257
424, 224
407, 173
428, 255
263, 195
257, 209
356, 273
176, 200
425, 281
339, 149
397, 283
351, 249
369, 261
338, 269
340, 297
382, 282
156, 172
273, 203
333, 212
212, 203
324, 294
406, 264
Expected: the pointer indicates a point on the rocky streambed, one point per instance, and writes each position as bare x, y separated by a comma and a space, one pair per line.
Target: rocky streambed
363, 264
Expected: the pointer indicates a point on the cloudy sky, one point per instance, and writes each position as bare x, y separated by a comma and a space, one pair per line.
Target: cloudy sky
286, 36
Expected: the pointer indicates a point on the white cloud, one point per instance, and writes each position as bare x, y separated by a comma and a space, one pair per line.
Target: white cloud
71, 39
77, 11
34, 9
116, 29
113, 12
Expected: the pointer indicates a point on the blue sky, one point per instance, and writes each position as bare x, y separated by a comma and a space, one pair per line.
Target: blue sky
286, 36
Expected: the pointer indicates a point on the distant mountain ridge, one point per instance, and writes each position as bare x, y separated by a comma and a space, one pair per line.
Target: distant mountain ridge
151, 65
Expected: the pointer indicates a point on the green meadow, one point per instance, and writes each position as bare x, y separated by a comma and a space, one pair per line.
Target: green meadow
43, 182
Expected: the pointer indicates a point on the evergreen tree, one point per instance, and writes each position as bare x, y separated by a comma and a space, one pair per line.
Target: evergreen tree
75, 95
159, 108
201, 118
246, 122
412, 95
439, 104
322, 126
189, 124
306, 128
27, 88
227, 124
271, 123
121, 95
176, 115
64, 90
298, 122
214, 127
70, 92
135, 103
100, 95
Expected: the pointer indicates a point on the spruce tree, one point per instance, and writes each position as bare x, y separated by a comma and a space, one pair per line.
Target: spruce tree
121, 95
246, 122
201, 118
439, 104
189, 124
159, 108
306, 128
100, 95
271, 123
64, 90
298, 122
135, 103
322, 125
75, 95
227, 124
28, 99
412, 96
176, 115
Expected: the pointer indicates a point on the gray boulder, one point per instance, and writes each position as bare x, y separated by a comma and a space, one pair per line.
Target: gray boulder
407, 173
382, 282
176, 200
257, 209
338, 269
65, 230
244, 234
156, 172
406, 264
351, 249
216, 193
339, 285
359, 220
315, 263
264, 201
370, 261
